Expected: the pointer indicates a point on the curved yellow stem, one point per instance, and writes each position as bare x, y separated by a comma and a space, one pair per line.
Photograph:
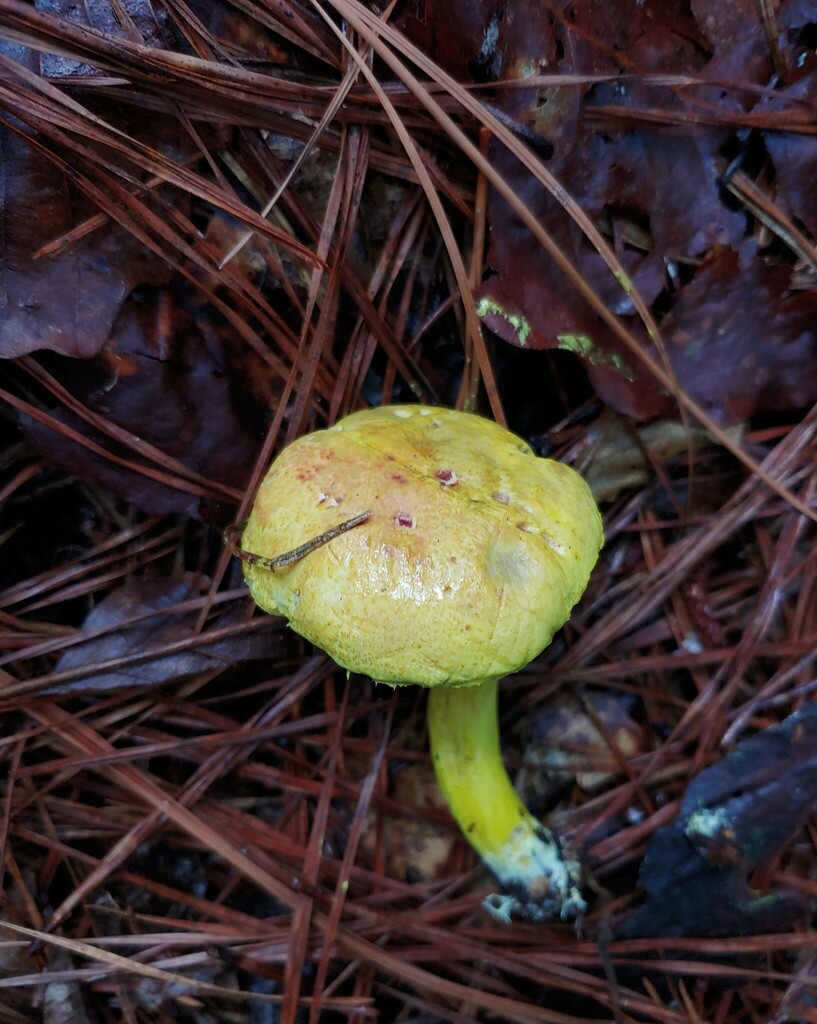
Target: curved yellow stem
526, 858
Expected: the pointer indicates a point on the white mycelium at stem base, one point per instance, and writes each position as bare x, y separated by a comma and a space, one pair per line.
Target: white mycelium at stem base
540, 880
473, 555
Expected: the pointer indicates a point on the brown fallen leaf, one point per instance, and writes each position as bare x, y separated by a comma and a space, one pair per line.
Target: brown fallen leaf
622, 455
645, 160
795, 156
160, 646
741, 340
568, 742
171, 379
65, 303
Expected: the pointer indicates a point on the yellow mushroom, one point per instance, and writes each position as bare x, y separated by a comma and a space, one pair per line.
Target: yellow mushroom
470, 556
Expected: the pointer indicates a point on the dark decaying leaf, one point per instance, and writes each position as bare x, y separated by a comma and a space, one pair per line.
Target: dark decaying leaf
65, 303
740, 340
734, 816
654, 189
795, 156
140, 644
126, 19
173, 379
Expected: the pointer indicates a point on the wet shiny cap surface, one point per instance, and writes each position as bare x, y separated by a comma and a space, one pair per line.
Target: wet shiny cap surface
473, 556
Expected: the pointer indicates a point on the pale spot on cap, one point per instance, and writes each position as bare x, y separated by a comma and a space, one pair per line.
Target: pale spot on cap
447, 477
510, 564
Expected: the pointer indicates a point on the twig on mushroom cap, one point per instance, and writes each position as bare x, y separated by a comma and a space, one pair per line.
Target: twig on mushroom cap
288, 557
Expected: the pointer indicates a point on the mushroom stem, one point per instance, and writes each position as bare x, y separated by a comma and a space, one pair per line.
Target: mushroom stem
538, 876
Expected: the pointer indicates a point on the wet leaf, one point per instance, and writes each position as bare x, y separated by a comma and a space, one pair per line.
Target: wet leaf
173, 379
140, 644
238, 31
65, 303
653, 189
740, 340
795, 156
571, 739
734, 816
623, 456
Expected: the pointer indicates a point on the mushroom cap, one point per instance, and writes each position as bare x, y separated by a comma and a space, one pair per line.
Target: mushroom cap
473, 556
